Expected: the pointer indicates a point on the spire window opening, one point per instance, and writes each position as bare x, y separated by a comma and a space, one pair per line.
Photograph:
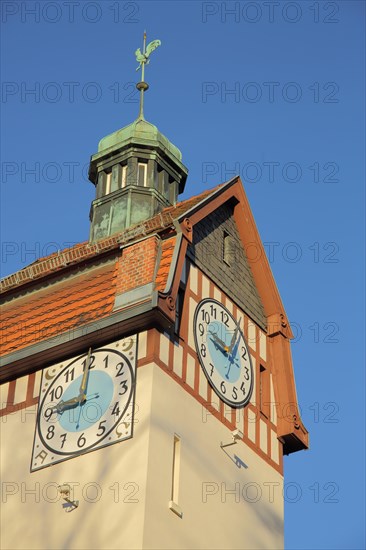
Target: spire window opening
108, 178
124, 176
142, 174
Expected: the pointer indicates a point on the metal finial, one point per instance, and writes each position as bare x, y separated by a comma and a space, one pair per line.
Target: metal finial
143, 59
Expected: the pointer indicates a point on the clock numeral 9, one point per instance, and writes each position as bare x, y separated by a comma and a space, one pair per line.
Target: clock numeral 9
222, 387
201, 329
81, 441
48, 413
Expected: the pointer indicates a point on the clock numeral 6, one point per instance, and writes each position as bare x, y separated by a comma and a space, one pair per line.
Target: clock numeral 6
222, 387
81, 441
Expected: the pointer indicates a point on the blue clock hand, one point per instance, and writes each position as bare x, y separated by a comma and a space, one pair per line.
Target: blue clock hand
232, 357
82, 404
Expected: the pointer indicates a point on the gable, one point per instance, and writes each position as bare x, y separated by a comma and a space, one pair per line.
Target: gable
234, 278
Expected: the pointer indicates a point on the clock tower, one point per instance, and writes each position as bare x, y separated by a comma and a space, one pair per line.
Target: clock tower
147, 388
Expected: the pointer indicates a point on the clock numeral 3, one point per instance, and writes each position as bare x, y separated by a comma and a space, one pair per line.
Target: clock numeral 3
124, 387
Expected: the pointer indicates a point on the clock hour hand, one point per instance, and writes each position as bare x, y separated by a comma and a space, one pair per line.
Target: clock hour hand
218, 341
69, 404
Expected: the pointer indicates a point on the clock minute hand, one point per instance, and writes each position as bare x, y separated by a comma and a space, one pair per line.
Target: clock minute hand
84, 381
233, 340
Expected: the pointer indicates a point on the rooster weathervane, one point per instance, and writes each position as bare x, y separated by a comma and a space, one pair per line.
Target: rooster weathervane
143, 58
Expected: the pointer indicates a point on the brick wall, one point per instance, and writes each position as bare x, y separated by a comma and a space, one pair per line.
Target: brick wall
136, 267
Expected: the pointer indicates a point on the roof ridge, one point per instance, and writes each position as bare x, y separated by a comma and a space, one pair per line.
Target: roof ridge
85, 250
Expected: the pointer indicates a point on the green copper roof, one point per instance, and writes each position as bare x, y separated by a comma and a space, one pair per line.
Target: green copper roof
142, 132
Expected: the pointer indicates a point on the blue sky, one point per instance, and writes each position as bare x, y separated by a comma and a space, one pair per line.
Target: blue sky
271, 90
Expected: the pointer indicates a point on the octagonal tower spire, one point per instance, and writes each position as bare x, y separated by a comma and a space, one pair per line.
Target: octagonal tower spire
137, 171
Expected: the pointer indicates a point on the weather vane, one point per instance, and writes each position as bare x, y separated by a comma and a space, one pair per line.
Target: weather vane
143, 59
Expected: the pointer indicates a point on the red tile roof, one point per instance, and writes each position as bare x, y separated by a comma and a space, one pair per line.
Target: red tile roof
69, 304
86, 297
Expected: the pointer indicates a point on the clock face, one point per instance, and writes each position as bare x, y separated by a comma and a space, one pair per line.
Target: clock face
223, 353
85, 403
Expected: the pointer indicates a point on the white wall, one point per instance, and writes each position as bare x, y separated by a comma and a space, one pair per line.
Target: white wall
140, 469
